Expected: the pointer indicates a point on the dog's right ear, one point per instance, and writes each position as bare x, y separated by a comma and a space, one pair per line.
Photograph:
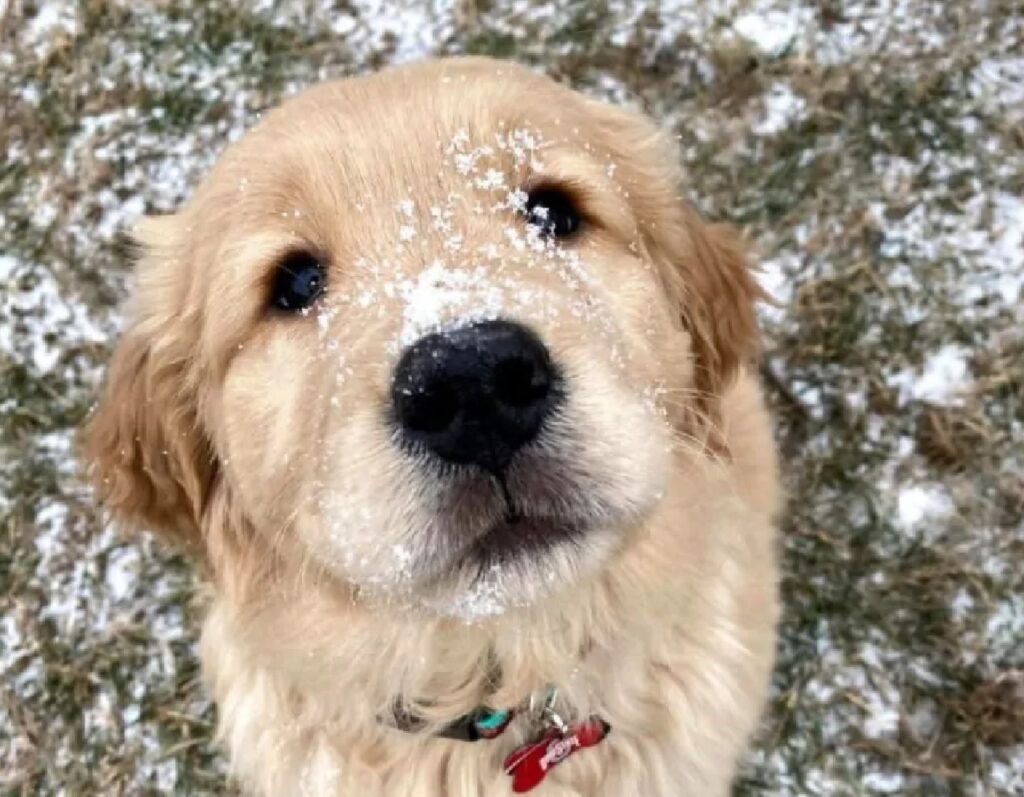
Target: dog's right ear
147, 458
703, 267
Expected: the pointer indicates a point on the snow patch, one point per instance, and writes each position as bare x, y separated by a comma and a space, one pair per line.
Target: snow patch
782, 109
923, 502
999, 84
943, 378
37, 321
55, 20
771, 32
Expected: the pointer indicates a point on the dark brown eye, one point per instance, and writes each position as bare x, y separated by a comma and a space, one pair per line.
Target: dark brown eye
553, 212
299, 280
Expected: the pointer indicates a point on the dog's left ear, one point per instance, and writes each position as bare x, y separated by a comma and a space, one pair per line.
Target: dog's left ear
704, 267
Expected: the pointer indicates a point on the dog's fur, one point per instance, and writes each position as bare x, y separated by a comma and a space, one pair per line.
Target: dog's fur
341, 588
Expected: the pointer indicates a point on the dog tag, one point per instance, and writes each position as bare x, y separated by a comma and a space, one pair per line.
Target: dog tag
529, 765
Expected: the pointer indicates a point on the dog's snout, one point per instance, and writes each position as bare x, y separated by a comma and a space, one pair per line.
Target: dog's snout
477, 394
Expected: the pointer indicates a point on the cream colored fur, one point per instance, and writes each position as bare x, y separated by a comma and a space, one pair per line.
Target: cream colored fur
258, 443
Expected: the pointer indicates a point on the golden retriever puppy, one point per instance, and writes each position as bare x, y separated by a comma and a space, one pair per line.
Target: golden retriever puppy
449, 392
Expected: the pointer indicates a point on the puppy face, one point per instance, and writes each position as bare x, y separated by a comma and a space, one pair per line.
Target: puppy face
436, 336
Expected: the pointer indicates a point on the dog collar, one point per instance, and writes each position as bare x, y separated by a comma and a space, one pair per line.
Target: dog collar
480, 723
553, 742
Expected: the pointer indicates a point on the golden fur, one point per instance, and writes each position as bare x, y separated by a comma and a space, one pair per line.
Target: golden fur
261, 443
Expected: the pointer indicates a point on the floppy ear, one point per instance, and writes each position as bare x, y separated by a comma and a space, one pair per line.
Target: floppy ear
147, 458
713, 285
704, 267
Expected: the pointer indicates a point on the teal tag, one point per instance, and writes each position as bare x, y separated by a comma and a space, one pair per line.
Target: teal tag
491, 720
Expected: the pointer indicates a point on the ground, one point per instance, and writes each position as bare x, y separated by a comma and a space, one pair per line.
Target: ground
873, 152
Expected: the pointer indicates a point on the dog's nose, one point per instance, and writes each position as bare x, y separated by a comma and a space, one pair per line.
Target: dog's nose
477, 394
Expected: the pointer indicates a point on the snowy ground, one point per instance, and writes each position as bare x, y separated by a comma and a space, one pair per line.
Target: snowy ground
873, 150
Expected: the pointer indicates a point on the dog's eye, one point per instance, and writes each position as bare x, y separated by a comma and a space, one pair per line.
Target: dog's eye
552, 211
299, 280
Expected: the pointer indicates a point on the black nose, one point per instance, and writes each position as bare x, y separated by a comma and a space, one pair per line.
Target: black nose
477, 394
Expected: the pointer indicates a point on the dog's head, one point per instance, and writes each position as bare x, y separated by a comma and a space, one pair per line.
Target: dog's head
435, 335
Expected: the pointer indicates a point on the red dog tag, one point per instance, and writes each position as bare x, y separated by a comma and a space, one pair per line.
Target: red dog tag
528, 765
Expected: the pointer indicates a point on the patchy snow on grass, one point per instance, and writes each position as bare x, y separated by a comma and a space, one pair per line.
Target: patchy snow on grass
944, 377
775, 276
1008, 776
999, 84
985, 239
37, 321
867, 27
782, 108
772, 32
1004, 630
414, 29
54, 22
1006, 252
922, 503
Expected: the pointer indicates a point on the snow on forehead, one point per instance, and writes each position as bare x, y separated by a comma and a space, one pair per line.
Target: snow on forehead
467, 152
463, 284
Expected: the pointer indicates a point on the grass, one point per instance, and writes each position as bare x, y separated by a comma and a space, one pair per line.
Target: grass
876, 160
